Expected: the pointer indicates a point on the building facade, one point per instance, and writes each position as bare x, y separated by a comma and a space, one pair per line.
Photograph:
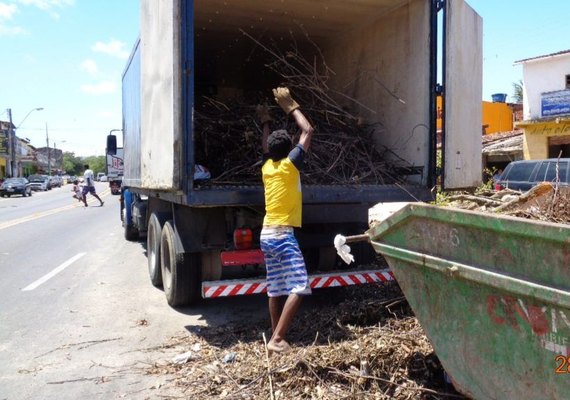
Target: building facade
546, 106
496, 116
29, 160
4, 149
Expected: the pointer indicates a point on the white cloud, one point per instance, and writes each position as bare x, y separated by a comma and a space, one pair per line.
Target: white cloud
48, 6
114, 48
90, 66
11, 30
7, 11
100, 88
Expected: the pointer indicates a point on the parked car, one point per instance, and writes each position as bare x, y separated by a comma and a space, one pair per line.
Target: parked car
13, 186
99, 176
39, 182
103, 178
523, 175
56, 181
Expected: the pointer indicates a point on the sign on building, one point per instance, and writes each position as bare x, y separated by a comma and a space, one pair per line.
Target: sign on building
3, 141
555, 103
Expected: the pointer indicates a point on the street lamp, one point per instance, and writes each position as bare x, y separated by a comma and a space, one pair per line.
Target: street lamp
12, 139
28, 114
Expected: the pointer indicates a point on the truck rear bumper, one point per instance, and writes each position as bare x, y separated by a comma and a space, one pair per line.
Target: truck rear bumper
226, 288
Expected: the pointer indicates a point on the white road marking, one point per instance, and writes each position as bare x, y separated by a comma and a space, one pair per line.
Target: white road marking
53, 273
42, 214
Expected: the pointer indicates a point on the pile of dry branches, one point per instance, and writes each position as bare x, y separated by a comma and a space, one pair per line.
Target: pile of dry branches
368, 346
545, 202
228, 136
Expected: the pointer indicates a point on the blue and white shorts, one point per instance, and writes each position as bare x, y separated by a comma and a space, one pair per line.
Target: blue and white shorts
286, 272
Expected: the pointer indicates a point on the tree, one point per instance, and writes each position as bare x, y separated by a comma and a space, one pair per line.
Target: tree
96, 163
518, 93
71, 164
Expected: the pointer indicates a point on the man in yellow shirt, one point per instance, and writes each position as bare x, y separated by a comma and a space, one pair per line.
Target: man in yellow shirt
286, 271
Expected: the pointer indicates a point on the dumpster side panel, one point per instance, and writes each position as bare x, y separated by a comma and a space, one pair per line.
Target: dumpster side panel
492, 293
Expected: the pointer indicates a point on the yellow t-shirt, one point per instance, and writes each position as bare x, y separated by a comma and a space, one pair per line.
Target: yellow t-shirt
283, 196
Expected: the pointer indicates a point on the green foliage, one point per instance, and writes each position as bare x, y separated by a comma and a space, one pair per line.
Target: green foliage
488, 184
71, 164
518, 92
96, 163
441, 197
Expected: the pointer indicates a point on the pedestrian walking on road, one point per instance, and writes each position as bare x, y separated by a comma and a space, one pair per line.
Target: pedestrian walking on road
287, 280
77, 194
89, 185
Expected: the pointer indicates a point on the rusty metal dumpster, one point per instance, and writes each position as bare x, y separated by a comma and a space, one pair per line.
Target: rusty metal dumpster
491, 292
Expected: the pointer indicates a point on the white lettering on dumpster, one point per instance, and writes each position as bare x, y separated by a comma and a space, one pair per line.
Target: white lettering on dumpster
454, 236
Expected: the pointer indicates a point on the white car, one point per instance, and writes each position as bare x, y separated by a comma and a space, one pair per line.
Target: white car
103, 178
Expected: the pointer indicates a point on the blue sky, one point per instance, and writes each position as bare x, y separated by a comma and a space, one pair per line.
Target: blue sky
517, 29
67, 56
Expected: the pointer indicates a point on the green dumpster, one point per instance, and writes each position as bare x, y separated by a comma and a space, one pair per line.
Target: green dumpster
491, 292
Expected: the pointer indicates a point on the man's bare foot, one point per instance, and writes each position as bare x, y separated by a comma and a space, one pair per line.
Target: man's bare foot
278, 347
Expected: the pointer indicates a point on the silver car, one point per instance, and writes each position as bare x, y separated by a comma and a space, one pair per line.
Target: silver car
39, 182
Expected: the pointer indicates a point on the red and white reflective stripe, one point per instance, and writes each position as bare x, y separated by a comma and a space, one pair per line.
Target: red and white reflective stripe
240, 288
232, 288
349, 279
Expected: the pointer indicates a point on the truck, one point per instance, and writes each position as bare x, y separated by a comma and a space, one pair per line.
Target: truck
382, 61
114, 170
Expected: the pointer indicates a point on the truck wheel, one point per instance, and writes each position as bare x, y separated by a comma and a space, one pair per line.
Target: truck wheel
131, 232
180, 271
153, 238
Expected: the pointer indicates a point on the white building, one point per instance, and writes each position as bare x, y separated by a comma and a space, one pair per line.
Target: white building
546, 106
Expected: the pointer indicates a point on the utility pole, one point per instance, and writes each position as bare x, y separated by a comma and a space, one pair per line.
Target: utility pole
11, 144
49, 152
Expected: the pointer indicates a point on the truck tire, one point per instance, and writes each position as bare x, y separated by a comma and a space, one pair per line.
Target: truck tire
180, 271
131, 232
153, 239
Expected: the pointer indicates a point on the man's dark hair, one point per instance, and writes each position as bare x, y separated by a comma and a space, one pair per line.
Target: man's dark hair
279, 144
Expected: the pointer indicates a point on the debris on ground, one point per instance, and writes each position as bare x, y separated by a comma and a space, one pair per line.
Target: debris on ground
365, 344
544, 202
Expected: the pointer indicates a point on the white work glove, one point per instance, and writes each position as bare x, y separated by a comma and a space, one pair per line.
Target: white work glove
342, 249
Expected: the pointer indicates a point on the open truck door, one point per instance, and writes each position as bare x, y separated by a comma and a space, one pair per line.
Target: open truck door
462, 101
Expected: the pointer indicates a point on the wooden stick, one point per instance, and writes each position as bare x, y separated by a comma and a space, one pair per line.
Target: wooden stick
268, 368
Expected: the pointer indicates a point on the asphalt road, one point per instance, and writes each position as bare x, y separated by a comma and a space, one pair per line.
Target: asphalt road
78, 315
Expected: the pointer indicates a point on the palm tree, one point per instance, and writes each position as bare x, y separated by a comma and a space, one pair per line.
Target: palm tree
518, 91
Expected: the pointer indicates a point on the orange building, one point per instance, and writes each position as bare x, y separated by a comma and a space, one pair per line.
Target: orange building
497, 117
